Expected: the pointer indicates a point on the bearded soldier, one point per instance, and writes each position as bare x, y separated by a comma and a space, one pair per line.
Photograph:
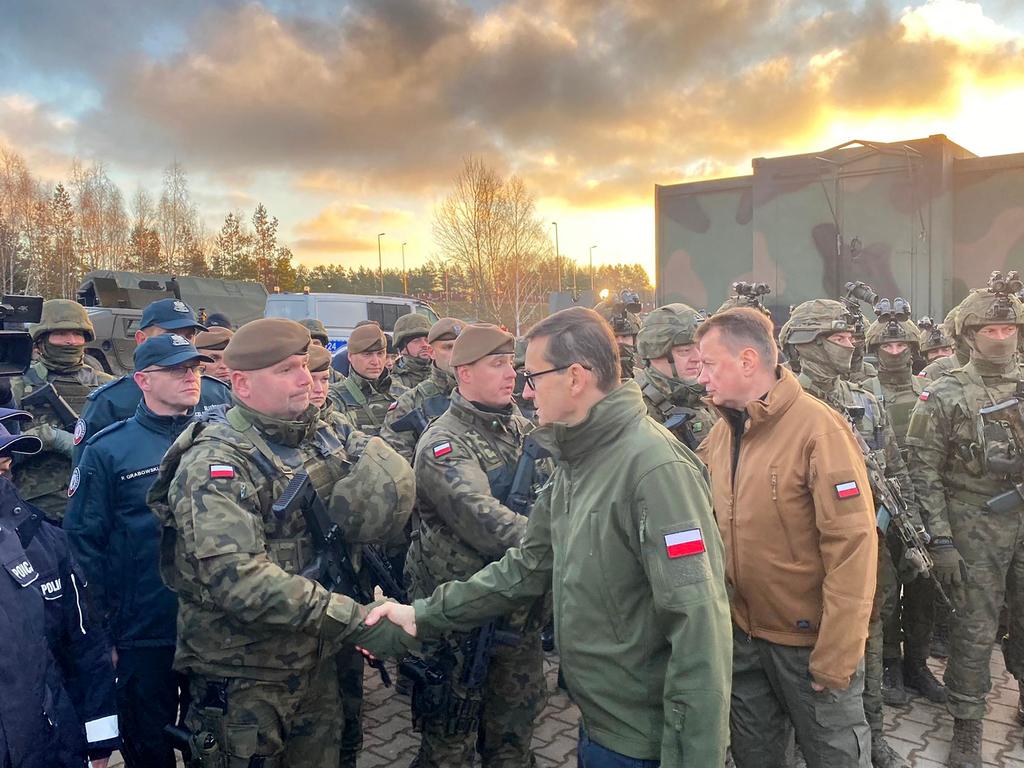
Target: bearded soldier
411, 341
668, 379
965, 441
59, 374
257, 633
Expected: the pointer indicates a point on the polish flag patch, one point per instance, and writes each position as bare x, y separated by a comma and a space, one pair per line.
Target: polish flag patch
222, 470
684, 543
393, 406
924, 395
847, 490
442, 449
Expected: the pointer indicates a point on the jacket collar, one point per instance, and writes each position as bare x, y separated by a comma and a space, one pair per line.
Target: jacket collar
769, 408
414, 365
380, 385
162, 425
486, 421
288, 433
604, 423
444, 380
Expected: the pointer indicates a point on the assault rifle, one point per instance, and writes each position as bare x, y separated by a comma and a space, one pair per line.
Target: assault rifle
678, 422
520, 493
333, 567
47, 396
1006, 417
891, 509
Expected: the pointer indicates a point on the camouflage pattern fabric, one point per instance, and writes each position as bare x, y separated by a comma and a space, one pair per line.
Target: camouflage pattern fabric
665, 396
349, 670
293, 723
42, 479
949, 462
410, 371
362, 402
439, 384
464, 463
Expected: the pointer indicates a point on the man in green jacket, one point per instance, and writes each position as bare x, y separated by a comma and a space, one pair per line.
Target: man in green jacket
624, 536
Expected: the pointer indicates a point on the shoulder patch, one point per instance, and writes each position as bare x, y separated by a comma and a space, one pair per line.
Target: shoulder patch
924, 395
847, 490
684, 543
222, 471
79, 431
74, 482
393, 406
104, 387
442, 449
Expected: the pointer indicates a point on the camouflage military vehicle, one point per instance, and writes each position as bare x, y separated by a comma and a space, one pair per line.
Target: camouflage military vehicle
923, 219
115, 301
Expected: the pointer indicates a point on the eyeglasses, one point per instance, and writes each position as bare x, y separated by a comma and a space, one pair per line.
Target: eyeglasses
530, 378
178, 371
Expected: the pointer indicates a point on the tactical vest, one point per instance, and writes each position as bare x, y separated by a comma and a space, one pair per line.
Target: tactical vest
975, 440
73, 387
288, 543
367, 413
899, 403
677, 418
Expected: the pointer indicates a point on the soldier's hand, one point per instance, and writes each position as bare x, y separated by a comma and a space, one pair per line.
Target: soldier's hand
950, 568
403, 616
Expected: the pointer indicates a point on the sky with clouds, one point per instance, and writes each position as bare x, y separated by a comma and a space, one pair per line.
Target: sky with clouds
351, 118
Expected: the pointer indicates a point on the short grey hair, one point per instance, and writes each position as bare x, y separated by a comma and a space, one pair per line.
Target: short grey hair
742, 327
580, 335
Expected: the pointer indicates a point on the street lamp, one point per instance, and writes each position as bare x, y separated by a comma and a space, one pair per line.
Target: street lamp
558, 257
405, 278
592, 267
380, 264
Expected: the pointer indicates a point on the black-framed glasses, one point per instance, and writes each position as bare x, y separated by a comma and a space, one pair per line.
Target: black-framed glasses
530, 378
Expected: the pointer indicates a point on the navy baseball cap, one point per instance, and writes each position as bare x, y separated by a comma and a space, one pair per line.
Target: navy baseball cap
171, 315
165, 351
16, 443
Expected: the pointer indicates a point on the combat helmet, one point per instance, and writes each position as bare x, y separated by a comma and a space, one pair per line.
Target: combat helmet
316, 329
409, 327
747, 295
933, 336
63, 315
893, 324
621, 313
814, 318
667, 327
997, 303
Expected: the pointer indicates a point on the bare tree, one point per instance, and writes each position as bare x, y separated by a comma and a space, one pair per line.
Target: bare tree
489, 229
177, 217
103, 228
19, 193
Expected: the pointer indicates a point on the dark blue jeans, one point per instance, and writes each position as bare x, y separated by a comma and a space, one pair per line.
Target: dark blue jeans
592, 755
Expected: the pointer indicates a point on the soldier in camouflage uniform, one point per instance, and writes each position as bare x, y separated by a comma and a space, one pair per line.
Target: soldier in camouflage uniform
318, 333
525, 405
895, 343
364, 396
464, 466
60, 338
819, 337
211, 343
668, 379
935, 343
962, 462
431, 396
625, 326
410, 339
257, 639
961, 352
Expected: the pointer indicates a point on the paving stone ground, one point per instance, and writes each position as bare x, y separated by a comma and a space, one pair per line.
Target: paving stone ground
920, 732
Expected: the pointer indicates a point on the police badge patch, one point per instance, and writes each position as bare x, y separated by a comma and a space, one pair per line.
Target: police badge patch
181, 306
79, 435
178, 341
76, 478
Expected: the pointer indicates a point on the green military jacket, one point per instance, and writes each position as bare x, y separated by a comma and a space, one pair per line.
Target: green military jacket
42, 479
464, 466
244, 610
363, 402
898, 393
431, 396
677, 405
409, 372
950, 446
625, 537
942, 366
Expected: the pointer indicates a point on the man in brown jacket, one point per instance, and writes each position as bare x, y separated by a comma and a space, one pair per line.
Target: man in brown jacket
792, 501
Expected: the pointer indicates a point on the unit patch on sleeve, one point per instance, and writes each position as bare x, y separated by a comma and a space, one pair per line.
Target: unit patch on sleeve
79, 431
684, 543
442, 449
74, 482
847, 490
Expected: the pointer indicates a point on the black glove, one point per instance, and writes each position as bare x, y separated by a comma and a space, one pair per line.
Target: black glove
950, 568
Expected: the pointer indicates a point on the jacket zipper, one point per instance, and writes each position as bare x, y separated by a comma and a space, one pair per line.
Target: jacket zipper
732, 520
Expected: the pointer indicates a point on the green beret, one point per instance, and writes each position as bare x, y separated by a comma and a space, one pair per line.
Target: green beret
319, 359
265, 342
215, 338
445, 329
479, 340
367, 338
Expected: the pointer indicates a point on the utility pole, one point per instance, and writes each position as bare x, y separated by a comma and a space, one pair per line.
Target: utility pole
380, 264
592, 268
405, 277
558, 257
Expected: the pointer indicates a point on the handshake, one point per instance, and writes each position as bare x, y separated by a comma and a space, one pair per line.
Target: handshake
384, 628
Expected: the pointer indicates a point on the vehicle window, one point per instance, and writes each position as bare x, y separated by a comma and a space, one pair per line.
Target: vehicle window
340, 314
131, 325
386, 314
293, 309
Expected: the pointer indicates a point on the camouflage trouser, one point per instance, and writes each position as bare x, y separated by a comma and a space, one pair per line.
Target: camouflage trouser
772, 697
512, 698
992, 545
908, 618
292, 724
886, 585
349, 663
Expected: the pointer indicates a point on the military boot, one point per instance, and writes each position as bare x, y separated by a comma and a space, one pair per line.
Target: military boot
893, 692
965, 751
917, 676
883, 755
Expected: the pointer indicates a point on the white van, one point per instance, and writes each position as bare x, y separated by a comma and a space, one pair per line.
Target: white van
341, 312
